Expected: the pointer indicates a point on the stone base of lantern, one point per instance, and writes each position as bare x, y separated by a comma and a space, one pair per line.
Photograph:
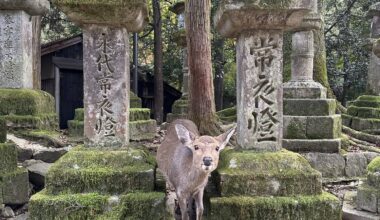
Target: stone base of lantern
179, 110
90, 183
364, 114
270, 185
28, 109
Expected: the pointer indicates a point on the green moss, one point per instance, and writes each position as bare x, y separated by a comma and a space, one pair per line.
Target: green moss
67, 207
369, 104
101, 171
369, 98
227, 112
76, 128
15, 187
374, 166
324, 206
79, 114
137, 114
266, 173
324, 127
25, 102
296, 128
45, 121
364, 112
135, 101
3, 131
8, 157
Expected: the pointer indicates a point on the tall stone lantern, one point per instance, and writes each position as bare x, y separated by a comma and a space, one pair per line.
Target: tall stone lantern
260, 180
180, 107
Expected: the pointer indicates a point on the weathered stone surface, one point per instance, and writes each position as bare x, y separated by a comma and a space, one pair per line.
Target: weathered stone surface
295, 127
374, 179
330, 165
367, 198
322, 146
363, 112
7, 212
106, 86
15, 187
142, 130
32, 7
130, 14
24, 154
234, 17
351, 213
8, 158
302, 56
370, 156
259, 108
309, 107
304, 90
50, 155
356, 165
320, 127
324, 206
37, 171
266, 174
361, 124
373, 74
3, 131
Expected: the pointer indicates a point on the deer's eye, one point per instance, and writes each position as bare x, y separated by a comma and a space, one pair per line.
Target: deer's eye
217, 148
196, 147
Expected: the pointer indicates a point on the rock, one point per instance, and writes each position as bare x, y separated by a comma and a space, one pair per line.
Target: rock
50, 155
330, 165
24, 154
370, 156
8, 212
24, 216
37, 171
356, 164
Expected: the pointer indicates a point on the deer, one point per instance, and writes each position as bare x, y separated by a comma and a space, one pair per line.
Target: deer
186, 160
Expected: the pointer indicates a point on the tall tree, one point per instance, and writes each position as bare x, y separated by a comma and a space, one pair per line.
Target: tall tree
158, 63
202, 104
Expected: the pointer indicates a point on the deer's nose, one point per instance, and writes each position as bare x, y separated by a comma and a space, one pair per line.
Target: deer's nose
207, 161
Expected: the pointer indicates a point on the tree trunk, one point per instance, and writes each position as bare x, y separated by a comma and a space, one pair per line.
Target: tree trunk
219, 61
202, 104
158, 64
36, 54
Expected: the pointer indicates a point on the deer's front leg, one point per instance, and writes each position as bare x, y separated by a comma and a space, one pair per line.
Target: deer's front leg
182, 200
198, 197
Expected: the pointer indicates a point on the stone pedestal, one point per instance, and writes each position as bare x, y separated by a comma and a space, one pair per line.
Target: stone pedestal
310, 122
16, 66
106, 178
261, 181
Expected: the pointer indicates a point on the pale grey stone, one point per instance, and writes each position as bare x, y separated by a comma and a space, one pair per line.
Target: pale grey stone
304, 90
8, 212
330, 165
302, 56
351, 213
370, 156
322, 145
356, 165
375, 27
374, 74
259, 90
32, 7
50, 155
366, 201
37, 171
106, 86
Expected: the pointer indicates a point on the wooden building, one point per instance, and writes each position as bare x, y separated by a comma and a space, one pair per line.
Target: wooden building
62, 77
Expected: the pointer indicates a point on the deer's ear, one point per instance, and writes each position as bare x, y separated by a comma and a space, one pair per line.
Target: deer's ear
225, 138
184, 135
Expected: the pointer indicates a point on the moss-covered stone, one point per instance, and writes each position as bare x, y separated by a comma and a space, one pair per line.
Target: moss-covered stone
373, 179
310, 107
25, 102
76, 128
323, 206
134, 100
8, 158
3, 131
369, 98
15, 186
295, 127
79, 114
364, 112
346, 120
44, 122
93, 170
374, 166
50, 138
266, 174
370, 104
361, 124
322, 145
367, 198
227, 112
139, 114
142, 130
329, 127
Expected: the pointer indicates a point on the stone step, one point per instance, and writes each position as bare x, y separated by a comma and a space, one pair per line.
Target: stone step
319, 145
317, 207
134, 100
93, 206
368, 198
372, 98
370, 104
304, 90
8, 158
14, 186
281, 173
363, 112
309, 107
312, 127
361, 124
113, 171
139, 114
142, 130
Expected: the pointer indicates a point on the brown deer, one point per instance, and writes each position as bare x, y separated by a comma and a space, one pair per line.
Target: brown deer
186, 159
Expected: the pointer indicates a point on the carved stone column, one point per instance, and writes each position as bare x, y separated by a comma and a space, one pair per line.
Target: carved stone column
374, 66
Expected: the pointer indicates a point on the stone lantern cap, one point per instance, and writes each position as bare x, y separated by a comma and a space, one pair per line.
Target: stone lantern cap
32, 7
374, 10
178, 8
132, 14
236, 16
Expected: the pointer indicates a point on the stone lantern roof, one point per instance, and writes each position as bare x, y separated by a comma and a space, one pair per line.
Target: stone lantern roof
32, 7
374, 10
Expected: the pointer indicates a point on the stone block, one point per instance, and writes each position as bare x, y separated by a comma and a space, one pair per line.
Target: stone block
49, 155
295, 127
32, 7
304, 90
119, 171
25, 102
367, 198
15, 187
323, 206
368, 104
330, 165
321, 146
134, 100
140, 205
371, 156
139, 114
356, 164
3, 131
374, 179
309, 107
266, 174
38, 122
346, 120
364, 112
350, 212
142, 130
181, 106
76, 128
79, 114
361, 124
8, 157
320, 127
37, 172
